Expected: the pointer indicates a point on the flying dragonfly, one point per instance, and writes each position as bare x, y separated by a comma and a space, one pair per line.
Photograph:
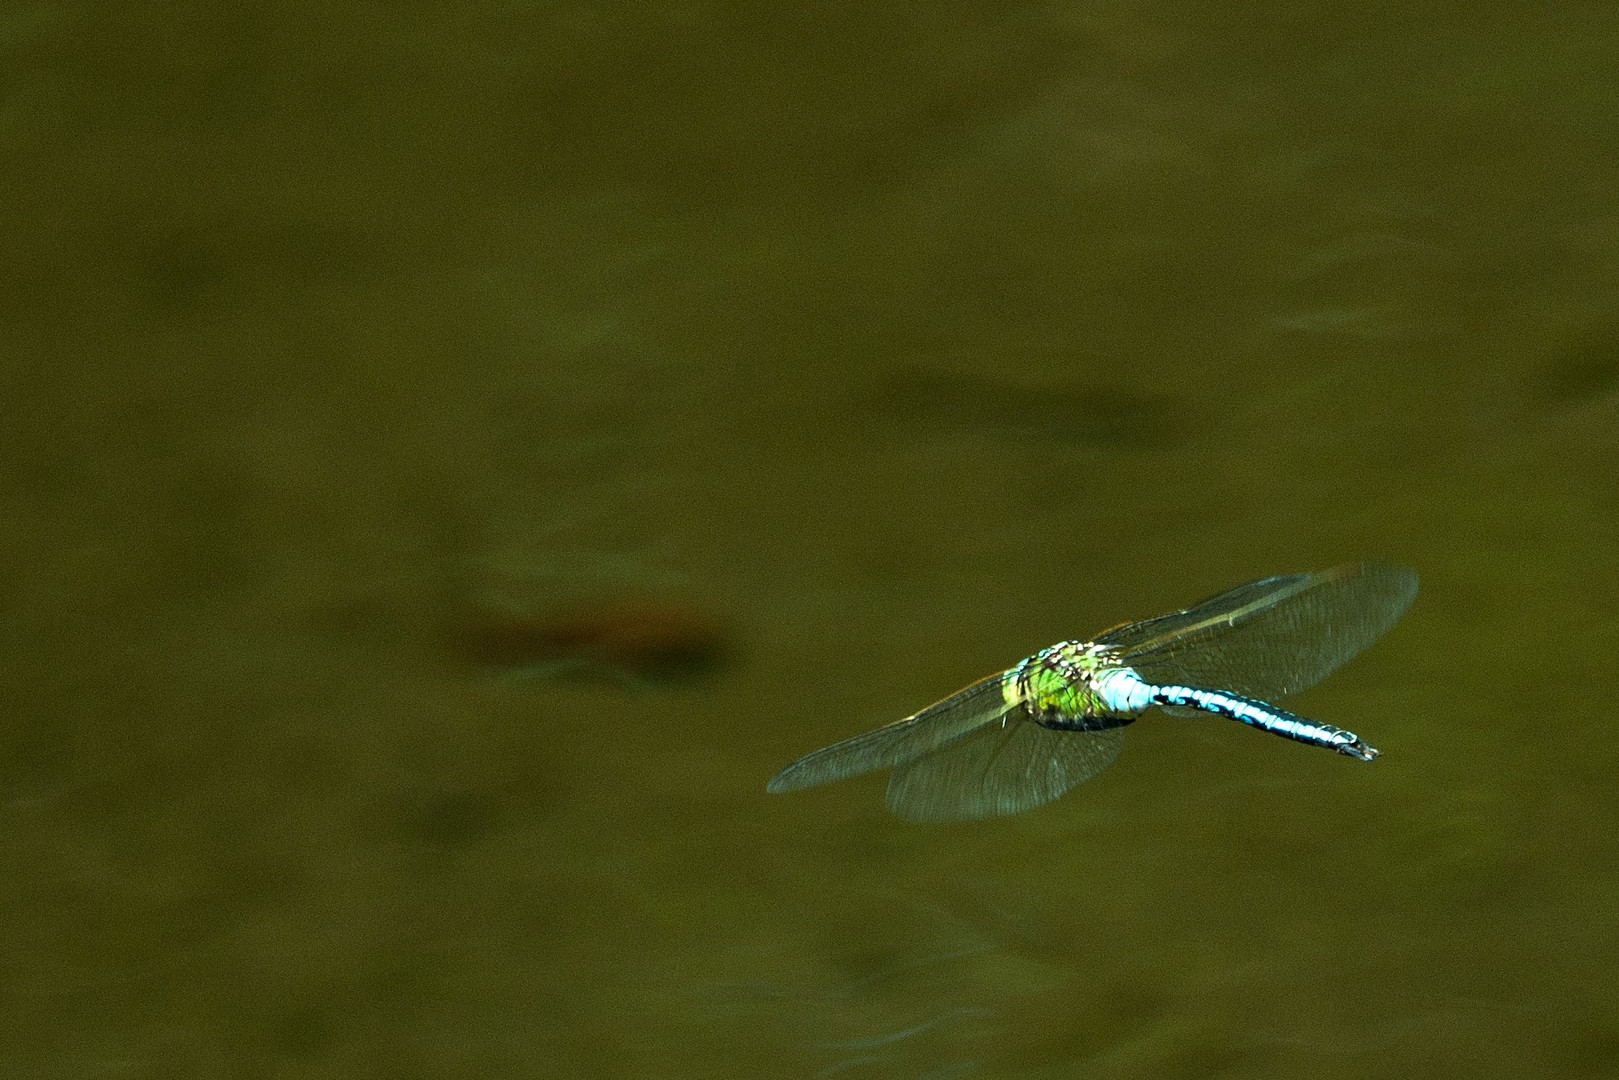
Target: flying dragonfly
1053, 720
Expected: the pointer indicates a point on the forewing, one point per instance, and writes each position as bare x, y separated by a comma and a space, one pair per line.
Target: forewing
904, 740
1273, 637
1221, 608
1000, 769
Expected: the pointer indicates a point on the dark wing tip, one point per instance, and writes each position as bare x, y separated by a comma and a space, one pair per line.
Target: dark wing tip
1397, 583
789, 779
851, 757
894, 744
799, 775
1390, 572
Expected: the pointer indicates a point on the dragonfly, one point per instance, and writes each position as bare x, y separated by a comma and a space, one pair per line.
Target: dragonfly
1023, 737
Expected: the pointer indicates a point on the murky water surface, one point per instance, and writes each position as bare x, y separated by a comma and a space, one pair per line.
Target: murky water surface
454, 455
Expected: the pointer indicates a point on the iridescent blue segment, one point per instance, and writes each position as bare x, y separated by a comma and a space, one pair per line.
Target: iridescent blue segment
1265, 717
1024, 737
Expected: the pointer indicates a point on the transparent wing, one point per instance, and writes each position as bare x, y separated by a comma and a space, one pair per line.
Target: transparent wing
904, 740
1273, 637
1232, 603
999, 770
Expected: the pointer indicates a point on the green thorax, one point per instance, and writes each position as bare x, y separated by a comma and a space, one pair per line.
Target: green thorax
1059, 683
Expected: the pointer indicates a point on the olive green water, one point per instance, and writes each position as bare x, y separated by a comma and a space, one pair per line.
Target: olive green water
893, 344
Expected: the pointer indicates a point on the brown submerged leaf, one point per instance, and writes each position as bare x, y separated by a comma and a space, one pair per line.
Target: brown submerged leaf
1093, 415
650, 640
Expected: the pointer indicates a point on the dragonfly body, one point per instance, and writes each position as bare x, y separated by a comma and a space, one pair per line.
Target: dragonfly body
1054, 719
1081, 686
1072, 686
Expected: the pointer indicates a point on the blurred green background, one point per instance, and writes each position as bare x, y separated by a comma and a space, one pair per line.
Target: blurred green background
451, 455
